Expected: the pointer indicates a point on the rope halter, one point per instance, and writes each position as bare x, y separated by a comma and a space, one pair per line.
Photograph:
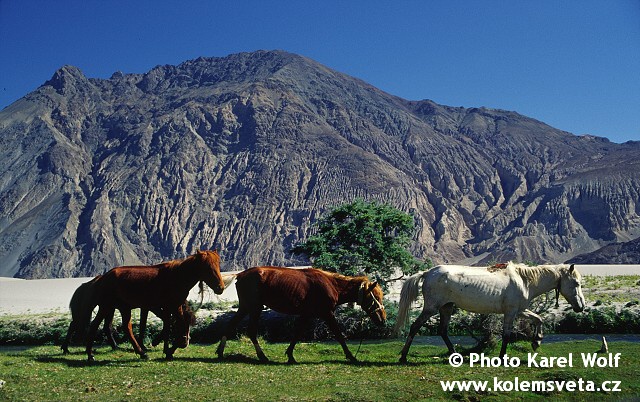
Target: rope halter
367, 301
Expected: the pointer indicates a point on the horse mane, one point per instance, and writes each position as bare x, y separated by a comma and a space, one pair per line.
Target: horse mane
534, 274
344, 277
176, 263
347, 283
184, 261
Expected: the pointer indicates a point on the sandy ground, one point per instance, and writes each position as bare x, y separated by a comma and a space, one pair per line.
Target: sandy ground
19, 296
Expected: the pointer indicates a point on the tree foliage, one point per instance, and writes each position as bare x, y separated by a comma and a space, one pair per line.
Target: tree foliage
363, 237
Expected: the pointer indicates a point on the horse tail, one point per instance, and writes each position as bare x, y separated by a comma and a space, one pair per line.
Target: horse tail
228, 279
409, 293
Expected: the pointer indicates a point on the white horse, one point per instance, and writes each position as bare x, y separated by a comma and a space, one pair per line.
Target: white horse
505, 288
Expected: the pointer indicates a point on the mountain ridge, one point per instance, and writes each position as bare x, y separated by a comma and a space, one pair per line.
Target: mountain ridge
244, 152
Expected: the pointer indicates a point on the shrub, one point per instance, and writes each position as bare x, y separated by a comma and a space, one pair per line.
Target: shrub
600, 321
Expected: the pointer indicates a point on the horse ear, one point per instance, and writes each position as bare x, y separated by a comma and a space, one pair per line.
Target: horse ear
373, 285
571, 268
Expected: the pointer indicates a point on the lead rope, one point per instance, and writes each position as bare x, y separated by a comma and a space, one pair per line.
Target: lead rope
361, 337
362, 321
201, 293
360, 301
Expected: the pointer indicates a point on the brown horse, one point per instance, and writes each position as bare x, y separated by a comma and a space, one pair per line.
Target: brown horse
81, 300
308, 293
180, 329
160, 288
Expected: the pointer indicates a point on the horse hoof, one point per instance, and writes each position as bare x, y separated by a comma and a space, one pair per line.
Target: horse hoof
535, 345
169, 358
402, 360
144, 356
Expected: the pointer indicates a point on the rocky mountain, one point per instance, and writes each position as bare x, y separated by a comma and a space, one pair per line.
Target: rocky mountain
245, 152
614, 253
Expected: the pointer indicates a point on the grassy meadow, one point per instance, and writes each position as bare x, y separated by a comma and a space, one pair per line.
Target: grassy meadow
43, 373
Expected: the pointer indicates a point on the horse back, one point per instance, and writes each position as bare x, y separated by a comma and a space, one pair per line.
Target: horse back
288, 291
473, 289
139, 286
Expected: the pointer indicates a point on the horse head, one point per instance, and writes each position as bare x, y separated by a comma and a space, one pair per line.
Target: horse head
570, 288
183, 322
208, 263
370, 299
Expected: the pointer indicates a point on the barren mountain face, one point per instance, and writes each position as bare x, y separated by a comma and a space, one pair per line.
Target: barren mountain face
244, 153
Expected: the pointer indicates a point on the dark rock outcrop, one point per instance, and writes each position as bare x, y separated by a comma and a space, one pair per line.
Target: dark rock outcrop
615, 253
245, 152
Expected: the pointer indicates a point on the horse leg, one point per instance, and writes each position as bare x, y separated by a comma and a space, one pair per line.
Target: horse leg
180, 334
168, 350
67, 339
108, 329
335, 328
166, 333
415, 327
537, 329
254, 318
93, 329
231, 330
300, 325
144, 314
126, 324
445, 317
507, 329
161, 336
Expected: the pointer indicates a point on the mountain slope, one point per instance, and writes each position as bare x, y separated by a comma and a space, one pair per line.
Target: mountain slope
614, 253
245, 152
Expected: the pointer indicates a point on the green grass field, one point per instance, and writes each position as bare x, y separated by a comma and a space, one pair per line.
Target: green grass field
43, 373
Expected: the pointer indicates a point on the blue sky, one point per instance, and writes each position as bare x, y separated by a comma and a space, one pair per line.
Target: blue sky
572, 64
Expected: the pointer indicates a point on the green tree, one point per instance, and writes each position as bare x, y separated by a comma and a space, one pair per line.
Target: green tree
361, 236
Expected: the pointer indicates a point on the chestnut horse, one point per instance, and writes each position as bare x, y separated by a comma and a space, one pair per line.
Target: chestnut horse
160, 288
308, 293
81, 300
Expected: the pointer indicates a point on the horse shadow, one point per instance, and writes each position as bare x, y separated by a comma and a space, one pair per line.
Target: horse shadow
64, 359
238, 358
229, 358
103, 359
